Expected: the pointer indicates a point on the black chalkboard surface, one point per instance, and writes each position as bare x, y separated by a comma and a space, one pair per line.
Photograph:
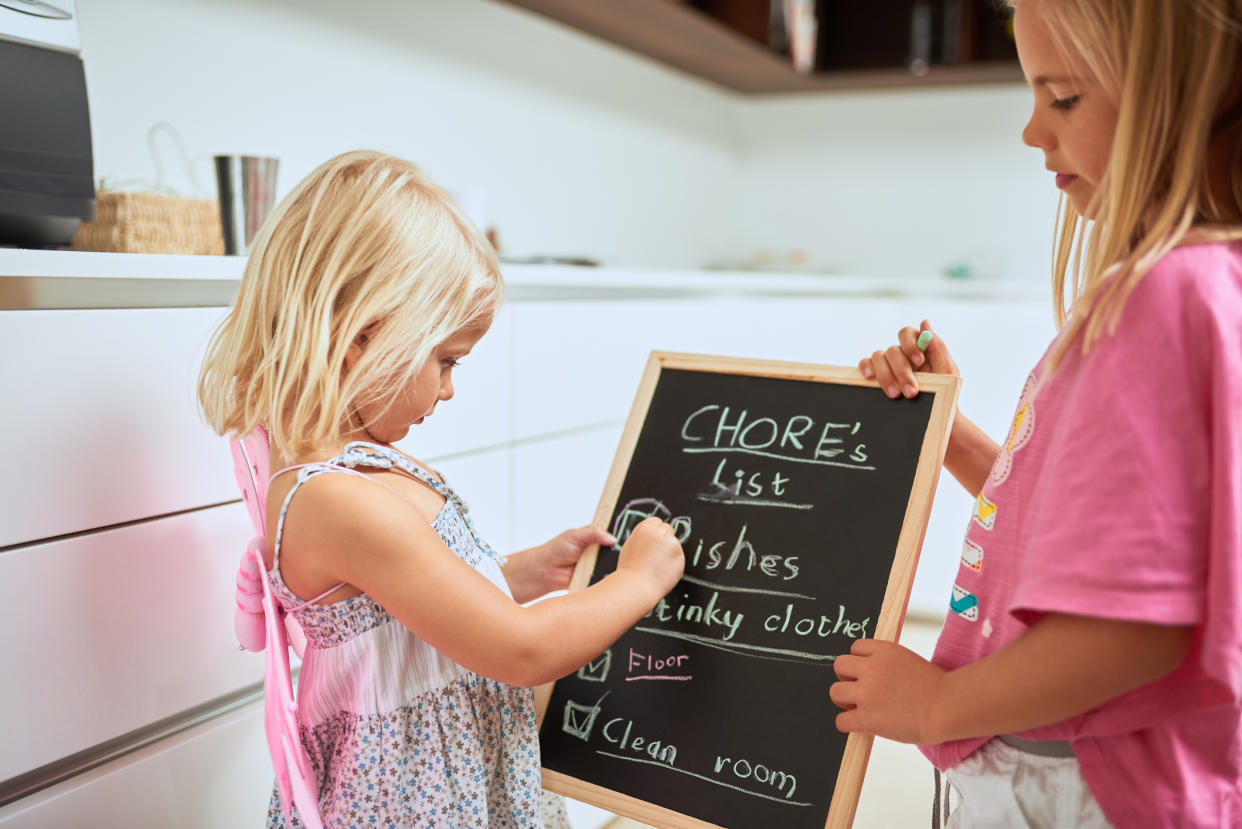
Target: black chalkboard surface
800, 494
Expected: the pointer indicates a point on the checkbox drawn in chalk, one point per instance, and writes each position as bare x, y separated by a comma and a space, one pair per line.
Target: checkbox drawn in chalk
579, 719
597, 669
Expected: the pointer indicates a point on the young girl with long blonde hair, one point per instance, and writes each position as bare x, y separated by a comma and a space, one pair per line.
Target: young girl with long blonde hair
1090, 668
362, 292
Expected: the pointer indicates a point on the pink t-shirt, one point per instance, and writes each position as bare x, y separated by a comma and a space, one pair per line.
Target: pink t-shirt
1118, 494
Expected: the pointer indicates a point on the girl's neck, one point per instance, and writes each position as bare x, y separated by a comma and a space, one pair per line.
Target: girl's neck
333, 449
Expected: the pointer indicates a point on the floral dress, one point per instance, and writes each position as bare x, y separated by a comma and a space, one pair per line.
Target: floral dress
398, 734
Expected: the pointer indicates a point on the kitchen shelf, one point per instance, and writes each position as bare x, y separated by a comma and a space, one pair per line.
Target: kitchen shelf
684, 37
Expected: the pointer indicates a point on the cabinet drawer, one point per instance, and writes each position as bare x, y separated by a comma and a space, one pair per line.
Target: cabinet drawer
579, 363
115, 630
217, 774
559, 483
100, 424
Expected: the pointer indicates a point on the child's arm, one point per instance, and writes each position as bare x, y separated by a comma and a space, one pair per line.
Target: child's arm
540, 570
342, 528
970, 452
1061, 667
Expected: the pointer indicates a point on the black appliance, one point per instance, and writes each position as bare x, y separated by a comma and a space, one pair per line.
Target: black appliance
46, 168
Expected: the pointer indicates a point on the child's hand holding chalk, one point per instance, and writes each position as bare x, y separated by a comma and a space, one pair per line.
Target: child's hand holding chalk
894, 368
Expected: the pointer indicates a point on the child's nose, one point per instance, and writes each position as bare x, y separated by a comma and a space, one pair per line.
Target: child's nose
446, 389
1033, 135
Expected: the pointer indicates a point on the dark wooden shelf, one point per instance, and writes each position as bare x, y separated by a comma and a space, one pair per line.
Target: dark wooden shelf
684, 38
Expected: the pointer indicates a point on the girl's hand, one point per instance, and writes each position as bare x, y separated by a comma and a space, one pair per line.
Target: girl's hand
894, 367
548, 567
653, 552
561, 554
887, 690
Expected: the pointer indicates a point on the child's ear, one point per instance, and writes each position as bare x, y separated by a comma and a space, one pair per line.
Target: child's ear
359, 344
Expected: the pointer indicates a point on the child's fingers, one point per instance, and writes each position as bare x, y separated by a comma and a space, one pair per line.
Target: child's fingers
849, 721
846, 666
909, 340
902, 370
884, 374
599, 536
844, 694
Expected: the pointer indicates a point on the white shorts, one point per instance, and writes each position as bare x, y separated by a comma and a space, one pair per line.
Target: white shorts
1001, 786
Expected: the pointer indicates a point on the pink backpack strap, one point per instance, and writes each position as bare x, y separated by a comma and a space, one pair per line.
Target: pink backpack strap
295, 778
261, 624
250, 467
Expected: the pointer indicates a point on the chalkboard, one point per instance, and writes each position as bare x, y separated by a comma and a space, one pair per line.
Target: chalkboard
800, 494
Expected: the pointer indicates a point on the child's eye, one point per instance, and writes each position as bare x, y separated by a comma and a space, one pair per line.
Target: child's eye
1065, 104
448, 362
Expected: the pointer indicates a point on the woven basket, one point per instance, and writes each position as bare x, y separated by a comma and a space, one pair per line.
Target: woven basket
151, 223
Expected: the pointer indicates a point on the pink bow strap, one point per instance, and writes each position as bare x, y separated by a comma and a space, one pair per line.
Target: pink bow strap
248, 622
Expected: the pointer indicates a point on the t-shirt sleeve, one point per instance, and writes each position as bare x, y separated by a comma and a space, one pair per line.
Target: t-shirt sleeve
1118, 525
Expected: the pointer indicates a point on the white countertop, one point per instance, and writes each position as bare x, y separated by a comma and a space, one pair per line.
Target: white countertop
37, 278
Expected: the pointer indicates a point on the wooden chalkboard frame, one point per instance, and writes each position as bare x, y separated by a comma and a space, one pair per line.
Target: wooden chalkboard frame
896, 596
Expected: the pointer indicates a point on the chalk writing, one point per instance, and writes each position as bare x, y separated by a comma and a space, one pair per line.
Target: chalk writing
757, 651
578, 720
756, 485
742, 554
706, 779
597, 669
744, 769
824, 626
652, 666
788, 496
617, 731
766, 437
640, 509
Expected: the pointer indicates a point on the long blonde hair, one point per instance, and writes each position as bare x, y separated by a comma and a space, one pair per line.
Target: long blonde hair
1175, 69
366, 241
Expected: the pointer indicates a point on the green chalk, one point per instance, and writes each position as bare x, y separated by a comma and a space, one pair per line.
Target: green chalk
924, 340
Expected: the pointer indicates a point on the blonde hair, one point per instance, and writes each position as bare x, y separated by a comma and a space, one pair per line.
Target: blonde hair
1174, 68
365, 248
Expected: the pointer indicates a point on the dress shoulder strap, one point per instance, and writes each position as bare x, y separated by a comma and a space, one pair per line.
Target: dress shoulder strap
305, 471
361, 453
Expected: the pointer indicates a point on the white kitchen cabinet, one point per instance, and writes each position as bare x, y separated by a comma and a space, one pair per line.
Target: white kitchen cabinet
100, 424
114, 630
578, 363
120, 528
216, 775
558, 482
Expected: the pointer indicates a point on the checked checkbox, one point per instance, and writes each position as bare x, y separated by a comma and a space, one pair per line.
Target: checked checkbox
597, 669
579, 719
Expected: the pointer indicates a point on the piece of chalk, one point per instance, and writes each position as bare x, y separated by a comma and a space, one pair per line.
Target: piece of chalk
924, 340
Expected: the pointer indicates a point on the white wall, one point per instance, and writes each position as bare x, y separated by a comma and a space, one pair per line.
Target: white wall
583, 148
899, 183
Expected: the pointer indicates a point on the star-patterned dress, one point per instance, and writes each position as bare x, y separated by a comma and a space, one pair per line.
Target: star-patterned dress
397, 733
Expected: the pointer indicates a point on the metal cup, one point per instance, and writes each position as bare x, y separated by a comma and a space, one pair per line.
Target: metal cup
247, 188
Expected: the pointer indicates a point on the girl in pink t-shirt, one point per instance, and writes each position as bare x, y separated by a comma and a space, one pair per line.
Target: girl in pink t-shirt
1090, 668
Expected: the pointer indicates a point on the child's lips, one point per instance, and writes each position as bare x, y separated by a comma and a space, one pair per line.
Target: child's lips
1065, 180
